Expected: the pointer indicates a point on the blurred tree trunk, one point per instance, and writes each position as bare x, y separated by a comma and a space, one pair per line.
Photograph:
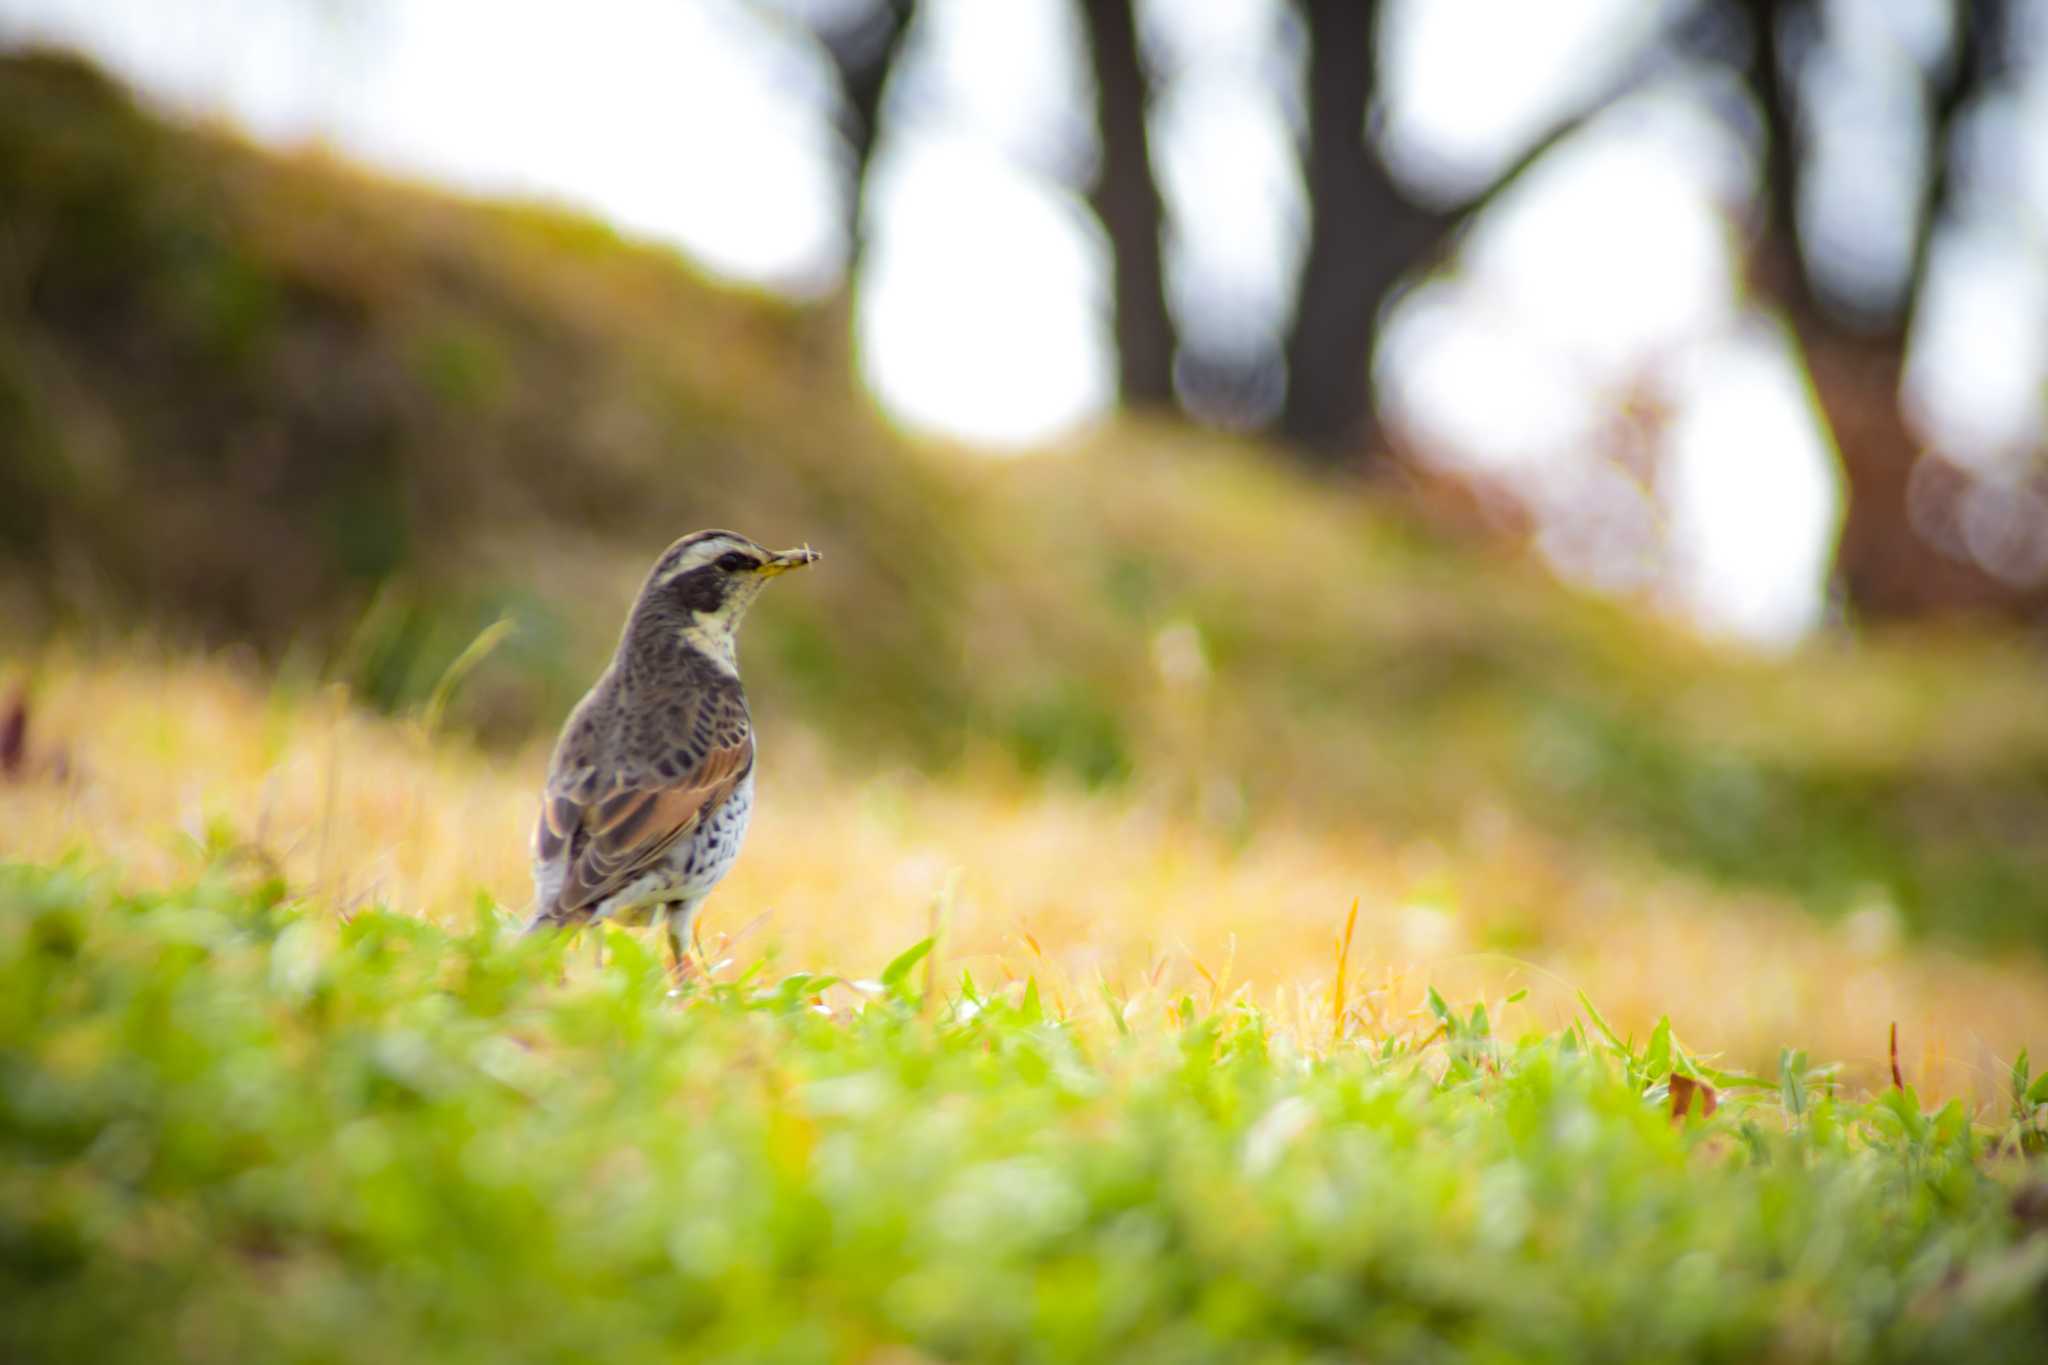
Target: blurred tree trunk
863, 45
1125, 198
1883, 565
1363, 238
1366, 237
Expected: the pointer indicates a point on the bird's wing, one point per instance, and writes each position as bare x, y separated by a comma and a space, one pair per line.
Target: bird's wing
605, 829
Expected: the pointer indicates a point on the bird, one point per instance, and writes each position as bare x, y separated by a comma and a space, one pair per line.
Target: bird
651, 785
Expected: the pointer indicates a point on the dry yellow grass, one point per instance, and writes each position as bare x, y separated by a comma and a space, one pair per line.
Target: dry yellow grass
1129, 892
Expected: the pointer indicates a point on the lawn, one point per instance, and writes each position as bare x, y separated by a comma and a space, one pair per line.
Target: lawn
278, 1081
235, 1127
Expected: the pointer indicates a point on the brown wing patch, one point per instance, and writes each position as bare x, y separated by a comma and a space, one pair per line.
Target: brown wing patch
626, 831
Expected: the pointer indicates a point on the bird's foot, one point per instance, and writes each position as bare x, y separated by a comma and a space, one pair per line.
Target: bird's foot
685, 969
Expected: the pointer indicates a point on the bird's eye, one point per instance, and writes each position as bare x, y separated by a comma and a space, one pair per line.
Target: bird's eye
735, 562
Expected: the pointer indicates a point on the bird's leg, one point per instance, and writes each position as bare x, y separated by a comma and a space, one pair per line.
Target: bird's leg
675, 919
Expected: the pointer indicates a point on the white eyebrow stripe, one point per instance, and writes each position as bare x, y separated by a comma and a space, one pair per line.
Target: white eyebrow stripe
704, 552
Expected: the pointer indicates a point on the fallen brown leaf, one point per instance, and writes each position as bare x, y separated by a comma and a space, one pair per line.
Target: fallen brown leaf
1683, 1088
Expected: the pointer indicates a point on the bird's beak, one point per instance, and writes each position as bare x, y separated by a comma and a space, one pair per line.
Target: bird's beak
787, 560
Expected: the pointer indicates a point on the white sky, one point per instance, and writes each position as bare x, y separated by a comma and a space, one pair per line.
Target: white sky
1608, 271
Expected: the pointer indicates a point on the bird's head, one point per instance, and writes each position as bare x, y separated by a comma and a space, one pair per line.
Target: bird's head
704, 583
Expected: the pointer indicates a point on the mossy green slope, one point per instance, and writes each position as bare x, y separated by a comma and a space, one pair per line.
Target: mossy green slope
262, 398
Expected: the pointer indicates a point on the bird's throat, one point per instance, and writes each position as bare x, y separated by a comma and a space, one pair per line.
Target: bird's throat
713, 636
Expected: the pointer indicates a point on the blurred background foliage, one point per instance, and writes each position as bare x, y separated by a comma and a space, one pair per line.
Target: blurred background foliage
273, 401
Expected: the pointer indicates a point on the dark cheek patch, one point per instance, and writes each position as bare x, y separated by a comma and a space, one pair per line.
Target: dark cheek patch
699, 590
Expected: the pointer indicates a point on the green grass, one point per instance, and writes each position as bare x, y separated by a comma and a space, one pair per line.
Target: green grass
233, 1129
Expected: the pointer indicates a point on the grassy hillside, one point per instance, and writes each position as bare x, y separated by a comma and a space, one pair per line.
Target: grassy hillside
264, 399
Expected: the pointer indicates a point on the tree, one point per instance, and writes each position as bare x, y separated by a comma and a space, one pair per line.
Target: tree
1364, 237
1857, 363
1125, 197
863, 44
1367, 235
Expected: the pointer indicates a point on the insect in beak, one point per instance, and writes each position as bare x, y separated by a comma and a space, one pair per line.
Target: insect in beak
787, 560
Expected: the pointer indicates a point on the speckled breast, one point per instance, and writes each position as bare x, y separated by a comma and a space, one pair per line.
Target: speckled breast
693, 866
699, 862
